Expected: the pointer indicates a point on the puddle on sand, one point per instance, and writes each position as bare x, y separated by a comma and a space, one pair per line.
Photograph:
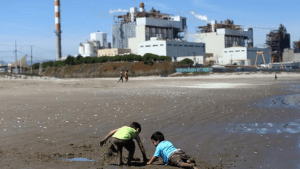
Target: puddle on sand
81, 159
288, 101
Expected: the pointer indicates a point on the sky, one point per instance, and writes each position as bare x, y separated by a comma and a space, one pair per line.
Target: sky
32, 22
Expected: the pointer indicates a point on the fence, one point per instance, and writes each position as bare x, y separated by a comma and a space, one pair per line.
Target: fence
187, 70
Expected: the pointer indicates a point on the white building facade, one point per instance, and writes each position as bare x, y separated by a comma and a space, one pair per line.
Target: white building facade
178, 50
218, 36
244, 56
101, 37
139, 26
90, 48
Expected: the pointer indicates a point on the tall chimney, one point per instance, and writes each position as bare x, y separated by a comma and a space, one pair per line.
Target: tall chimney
57, 29
142, 7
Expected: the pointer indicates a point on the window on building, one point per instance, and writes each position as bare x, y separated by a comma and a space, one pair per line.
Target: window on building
237, 51
161, 44
141, 46
197, 46
179, 45
155, 45
185, 45
169, 44
191, 45
148, 45
243, 50
230, 51
174, 45
225, 51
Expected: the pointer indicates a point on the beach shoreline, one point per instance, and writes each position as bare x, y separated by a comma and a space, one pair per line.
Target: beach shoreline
213, 118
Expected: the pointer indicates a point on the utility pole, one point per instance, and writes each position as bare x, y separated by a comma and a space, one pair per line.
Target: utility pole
21, 65
16, 67
40, 69
31, 59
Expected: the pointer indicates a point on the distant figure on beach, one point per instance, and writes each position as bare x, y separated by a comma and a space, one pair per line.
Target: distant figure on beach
121, 76
275, 77
122, 137
170, 155
126, 76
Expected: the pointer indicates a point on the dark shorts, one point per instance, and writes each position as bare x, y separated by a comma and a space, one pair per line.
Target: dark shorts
178, 157
119, 144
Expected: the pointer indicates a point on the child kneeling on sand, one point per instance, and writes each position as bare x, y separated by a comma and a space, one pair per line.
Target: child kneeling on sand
169, 154
122, 137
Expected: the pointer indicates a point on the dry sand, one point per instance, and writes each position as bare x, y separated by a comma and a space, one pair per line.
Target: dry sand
222, 120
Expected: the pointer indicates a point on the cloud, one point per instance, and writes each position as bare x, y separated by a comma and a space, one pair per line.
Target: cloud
199, 17
117, 11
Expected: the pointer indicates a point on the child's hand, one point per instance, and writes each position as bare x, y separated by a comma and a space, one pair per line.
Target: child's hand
102, 142
145, 160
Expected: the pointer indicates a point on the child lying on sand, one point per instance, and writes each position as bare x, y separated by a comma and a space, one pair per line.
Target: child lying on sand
169, 154
122, 137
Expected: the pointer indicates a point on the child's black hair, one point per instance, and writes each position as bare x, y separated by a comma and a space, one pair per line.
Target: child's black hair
136, 125
158, 136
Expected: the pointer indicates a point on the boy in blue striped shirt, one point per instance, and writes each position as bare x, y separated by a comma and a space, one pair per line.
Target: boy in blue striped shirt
169, 154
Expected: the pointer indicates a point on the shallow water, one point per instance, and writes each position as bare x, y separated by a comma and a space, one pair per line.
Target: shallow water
284, 101
81, 159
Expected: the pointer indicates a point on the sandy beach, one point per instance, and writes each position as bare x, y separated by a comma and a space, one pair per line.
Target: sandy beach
222, 120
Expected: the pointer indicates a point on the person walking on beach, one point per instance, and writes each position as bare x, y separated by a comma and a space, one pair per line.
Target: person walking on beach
275, 77
170, 155
121, 76
126, 76
122, 137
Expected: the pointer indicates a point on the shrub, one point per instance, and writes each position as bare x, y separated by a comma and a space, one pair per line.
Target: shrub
187, 61
70, 60
148, 59
36, 66
47, 64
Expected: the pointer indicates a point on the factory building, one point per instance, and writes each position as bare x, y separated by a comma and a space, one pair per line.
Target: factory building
278, 40
244, 56
101, 37
139, 26
90, 48
113, 52
218, 36
291, 55
178, 50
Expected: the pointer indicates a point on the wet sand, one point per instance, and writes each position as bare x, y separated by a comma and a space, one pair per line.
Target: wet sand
226, 121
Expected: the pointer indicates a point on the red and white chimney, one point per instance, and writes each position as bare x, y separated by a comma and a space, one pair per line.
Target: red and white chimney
57, 29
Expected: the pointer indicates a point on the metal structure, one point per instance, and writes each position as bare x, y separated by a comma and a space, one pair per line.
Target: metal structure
260, 53
275, 55
57, 29
278, 40
296, 45
157, 24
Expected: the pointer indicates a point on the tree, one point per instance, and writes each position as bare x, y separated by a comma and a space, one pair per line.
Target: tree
70, 60
147, 58
138, 58
187, 61
36, 66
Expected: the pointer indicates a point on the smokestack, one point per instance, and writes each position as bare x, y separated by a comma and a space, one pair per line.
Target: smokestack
142, 7
57, 29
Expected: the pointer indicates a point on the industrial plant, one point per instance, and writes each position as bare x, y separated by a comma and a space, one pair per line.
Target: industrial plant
222, 43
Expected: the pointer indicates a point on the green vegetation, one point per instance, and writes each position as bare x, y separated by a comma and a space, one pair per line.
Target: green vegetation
147, 58
187, 61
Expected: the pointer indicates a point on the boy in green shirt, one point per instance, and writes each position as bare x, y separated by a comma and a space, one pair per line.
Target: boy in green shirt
123, 137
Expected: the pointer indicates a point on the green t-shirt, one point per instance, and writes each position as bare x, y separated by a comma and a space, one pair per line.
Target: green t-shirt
125, 133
